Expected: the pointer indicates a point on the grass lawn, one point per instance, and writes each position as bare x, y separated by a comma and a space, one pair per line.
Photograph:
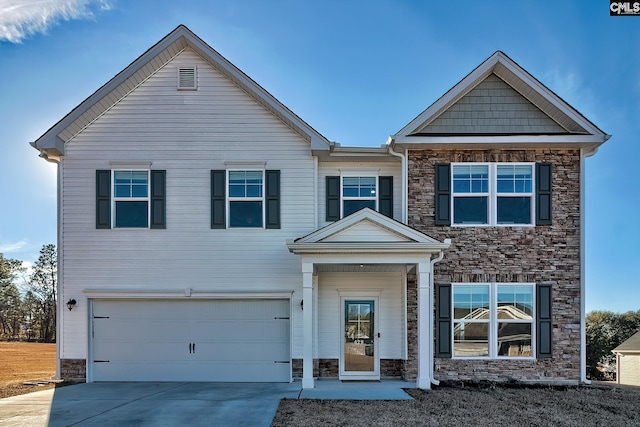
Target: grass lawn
22, 362
470, 406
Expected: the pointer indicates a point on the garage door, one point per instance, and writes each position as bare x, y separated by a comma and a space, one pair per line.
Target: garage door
194, 340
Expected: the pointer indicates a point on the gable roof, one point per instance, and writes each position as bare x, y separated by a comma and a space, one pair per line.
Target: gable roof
632, 344
366, 231
52, 142
498, 104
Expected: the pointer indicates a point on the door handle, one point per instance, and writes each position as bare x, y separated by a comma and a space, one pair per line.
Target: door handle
189, 348
194, 347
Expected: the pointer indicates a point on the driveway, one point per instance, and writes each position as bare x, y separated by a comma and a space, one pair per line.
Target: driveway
175, 404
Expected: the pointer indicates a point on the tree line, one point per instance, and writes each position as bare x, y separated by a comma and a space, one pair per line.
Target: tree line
28, 299
605, 331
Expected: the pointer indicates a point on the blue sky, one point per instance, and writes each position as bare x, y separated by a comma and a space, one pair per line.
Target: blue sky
357, 71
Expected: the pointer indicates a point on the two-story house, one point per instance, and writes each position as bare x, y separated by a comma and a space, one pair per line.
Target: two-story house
208, 233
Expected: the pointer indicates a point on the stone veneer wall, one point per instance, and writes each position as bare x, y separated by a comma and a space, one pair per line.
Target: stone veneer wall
73, 369
549, 254
329, 368
409, 369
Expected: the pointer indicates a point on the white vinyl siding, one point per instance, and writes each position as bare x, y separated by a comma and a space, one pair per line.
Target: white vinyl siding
186, 133
629, 369
358, 169
390, 311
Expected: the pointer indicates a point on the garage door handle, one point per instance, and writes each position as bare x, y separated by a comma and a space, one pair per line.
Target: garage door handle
194, 347
190, 351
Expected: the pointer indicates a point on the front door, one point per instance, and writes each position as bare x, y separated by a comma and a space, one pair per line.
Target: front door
359, 345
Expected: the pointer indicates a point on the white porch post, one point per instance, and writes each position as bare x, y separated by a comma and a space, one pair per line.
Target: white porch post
307, 325
425, 326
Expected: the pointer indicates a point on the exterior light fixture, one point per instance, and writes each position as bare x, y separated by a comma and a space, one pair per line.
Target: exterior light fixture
71, 303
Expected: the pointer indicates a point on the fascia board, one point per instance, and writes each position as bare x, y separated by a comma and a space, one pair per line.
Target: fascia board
248, 84
452, 95
373, 216
449, 141
547, 93
366, 247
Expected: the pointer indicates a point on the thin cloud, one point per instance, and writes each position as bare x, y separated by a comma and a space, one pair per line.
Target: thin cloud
7, 247
20, 19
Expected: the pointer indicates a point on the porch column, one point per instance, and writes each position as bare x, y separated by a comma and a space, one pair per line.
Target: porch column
307, 325
425, 326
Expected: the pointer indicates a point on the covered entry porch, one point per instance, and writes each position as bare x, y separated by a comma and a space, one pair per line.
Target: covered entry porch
354, 295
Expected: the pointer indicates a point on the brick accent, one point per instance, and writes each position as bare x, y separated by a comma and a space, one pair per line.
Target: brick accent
327, 368
73, 369
549, 254
391, 368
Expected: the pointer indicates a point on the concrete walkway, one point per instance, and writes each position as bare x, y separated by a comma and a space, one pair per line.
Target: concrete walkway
176, 404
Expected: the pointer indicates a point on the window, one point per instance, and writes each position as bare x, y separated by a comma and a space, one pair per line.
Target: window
492, 193
245, 198
350, 193
493, 320
131, 198
358, 192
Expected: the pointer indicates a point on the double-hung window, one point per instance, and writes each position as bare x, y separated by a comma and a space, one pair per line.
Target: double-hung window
358, 192
493, 320
493, 193
246, 198
130, 198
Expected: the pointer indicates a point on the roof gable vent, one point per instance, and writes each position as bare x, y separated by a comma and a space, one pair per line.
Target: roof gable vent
187, 78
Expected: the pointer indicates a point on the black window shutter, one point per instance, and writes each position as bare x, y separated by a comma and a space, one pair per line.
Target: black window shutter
443, 320
272, 198
543, 193
218, 194
544, 321
103, 199
333, 198
385, 195
443, 194
158, 196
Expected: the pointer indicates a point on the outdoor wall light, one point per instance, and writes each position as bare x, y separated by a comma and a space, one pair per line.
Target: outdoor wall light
71, 303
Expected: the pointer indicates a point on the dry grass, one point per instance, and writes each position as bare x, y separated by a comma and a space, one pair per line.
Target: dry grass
25, 362
491, 406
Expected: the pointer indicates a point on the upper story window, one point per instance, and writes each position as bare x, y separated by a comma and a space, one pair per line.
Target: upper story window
358, 192
493, 320
350, 193
246, 198
131, 198
492, 193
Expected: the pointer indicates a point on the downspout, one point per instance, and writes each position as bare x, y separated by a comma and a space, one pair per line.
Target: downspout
60, 298
583, 316
404, 215
432, 306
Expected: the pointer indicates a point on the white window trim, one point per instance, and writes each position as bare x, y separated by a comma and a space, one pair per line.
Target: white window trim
492, 194
357, 175
244, 199
115, 199
493, 321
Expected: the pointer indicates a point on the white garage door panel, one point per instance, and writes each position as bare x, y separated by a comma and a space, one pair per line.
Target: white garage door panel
193, 340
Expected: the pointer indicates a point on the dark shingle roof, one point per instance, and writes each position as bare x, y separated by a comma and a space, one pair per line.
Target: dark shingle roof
632, 344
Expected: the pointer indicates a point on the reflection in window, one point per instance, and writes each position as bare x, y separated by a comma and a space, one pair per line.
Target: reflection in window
246, 198
493, 320
131, 198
